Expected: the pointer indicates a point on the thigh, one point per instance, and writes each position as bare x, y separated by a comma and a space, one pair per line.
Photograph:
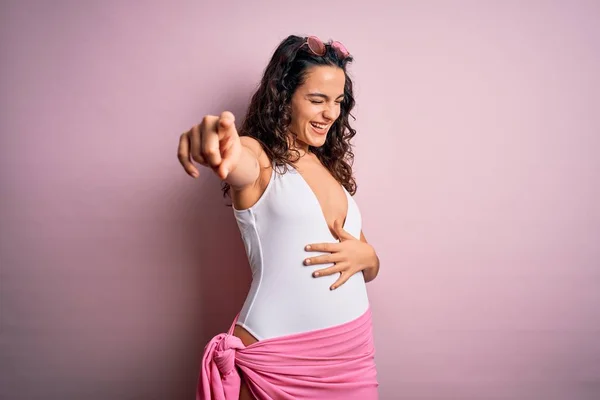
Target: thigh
245, 336
247, 339
245, 393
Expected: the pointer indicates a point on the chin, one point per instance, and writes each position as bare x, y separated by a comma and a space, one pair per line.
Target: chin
317, 144
316, 141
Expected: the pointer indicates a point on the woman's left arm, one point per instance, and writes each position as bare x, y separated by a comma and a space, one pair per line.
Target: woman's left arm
373, 269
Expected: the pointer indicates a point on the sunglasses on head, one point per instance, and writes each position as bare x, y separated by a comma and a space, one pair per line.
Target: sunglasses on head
318, 48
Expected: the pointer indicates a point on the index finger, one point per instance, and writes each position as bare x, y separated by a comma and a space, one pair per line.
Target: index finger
183, 155
226, 125
209, 143
323, 247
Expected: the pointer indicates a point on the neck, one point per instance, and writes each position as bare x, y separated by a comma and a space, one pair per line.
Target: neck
295, 144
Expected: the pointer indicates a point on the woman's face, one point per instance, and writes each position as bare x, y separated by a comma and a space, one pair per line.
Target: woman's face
316, 105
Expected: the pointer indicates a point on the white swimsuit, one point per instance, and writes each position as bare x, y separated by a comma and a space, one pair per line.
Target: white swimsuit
284, 297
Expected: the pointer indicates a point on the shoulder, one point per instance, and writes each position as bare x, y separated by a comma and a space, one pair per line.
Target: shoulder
257, 149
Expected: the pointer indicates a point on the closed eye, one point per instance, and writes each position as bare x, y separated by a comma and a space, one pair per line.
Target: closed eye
321, 102
319, 98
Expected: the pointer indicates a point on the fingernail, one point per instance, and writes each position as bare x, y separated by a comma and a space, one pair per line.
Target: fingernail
307, 247
307, 261
332, 288
194, 174
316, 274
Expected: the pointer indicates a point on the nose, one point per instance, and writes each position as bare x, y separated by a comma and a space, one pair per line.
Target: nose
330, 113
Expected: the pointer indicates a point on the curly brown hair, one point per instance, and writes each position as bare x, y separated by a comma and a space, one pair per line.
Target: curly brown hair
269, 113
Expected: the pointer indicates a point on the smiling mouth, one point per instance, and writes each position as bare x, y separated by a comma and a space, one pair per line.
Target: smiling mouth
319, 128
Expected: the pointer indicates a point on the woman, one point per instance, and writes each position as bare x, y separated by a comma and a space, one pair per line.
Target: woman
304, 330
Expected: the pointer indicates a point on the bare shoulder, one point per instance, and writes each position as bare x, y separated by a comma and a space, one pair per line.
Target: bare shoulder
246, 197
256, 148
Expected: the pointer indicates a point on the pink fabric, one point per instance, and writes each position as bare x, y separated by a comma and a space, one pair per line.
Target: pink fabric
331, 363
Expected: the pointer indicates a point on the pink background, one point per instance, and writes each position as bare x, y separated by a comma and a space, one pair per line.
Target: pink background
477, 161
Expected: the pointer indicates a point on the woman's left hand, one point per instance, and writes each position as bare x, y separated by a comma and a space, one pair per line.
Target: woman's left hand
349, 256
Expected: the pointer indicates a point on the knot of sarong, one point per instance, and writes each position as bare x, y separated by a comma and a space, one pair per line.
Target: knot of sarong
224, 355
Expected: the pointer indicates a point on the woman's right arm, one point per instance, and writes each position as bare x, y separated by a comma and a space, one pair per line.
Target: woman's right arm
247, 170
215, 143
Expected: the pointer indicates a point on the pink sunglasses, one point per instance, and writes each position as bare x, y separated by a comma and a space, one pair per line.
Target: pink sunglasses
317, 47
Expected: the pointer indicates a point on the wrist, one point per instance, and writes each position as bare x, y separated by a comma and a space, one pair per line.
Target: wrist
371, 266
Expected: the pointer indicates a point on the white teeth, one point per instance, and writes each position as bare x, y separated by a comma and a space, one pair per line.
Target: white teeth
320, 126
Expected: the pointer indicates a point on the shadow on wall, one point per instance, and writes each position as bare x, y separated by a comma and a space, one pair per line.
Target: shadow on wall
216, 268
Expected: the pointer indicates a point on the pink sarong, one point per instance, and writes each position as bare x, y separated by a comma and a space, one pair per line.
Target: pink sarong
330, 363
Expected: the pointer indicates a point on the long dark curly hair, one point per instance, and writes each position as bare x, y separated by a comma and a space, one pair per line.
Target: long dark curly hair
269, 113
